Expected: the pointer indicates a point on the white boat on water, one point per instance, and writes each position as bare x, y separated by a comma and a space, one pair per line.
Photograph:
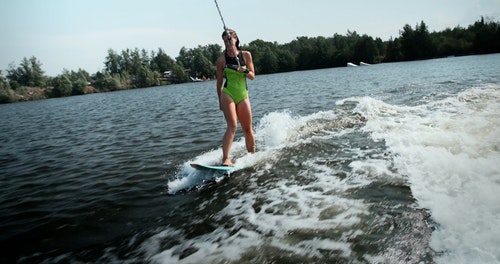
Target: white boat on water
195, 79
350, 64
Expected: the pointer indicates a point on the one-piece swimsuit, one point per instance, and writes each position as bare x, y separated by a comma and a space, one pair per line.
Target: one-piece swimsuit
236, 82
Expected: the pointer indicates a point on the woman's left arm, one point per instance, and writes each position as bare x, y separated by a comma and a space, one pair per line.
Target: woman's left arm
249, 62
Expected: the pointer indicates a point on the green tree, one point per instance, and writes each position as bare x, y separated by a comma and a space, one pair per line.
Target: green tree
136, 63
145, 77
365, 50
417, 44
486, 36
99, 82
78, 79
286, 60
351, 40
3, 82
114, 82
105, 81
264, 55
268, 62
342, 53
161, 62
200, 65
456, 41
323, 51
125, 61
393, 51
212, 52
79, 87
408, 44
303, 49
185, 57
145, 59
113, 62
427, 47
62, 86
6, 94
179, 74
196, 61
29, 73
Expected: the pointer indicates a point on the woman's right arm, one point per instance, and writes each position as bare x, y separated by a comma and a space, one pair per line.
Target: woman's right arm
220, 77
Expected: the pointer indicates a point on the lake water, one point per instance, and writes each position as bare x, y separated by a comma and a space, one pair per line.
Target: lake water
390, 163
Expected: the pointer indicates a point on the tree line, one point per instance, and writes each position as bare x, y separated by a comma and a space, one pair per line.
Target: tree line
134, 68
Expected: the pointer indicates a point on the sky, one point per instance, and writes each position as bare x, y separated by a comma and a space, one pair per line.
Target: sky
77, 34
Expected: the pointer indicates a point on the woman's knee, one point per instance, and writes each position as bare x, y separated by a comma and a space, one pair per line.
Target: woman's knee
231, 127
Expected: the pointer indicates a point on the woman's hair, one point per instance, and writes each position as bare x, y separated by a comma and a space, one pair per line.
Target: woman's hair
225, 33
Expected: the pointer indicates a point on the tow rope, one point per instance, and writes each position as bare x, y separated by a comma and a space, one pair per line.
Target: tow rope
229, 38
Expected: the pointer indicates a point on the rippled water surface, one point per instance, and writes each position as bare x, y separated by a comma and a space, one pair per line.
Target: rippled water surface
390, 163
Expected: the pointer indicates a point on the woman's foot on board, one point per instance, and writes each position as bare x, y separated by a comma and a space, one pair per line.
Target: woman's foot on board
227, 163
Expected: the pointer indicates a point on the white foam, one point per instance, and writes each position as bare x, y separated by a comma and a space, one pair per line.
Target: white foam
274, 132
275, 129
188, 178
268, 216
450, 150
372, 167
310, 248
285, 208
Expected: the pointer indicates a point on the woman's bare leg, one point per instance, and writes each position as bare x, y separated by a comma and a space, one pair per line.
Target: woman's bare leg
244, 112
229, 109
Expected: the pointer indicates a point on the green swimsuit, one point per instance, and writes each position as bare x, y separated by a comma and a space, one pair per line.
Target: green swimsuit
236, 82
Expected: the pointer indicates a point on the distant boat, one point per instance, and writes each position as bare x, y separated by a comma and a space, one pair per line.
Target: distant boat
350, 64
167, 74
364, 64
195, 79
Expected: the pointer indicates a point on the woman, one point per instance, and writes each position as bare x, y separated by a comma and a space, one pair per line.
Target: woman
235, 65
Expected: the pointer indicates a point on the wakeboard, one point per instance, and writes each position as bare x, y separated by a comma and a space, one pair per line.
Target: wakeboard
223, 169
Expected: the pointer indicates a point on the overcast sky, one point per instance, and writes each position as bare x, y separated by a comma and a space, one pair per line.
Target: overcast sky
74, 34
